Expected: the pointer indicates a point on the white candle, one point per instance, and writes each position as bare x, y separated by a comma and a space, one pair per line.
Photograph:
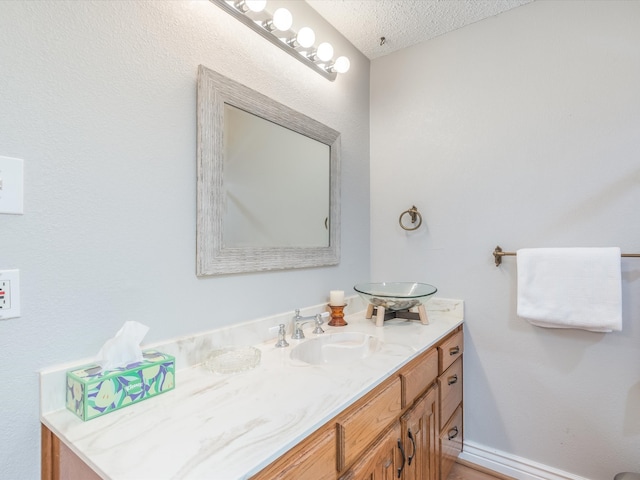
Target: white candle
336, 298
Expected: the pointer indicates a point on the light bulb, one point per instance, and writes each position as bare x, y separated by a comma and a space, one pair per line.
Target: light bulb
282, 19
325, 52
341, 65
255, 5
306, 37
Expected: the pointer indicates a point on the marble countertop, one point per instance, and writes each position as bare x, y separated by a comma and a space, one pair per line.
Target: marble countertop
232, 426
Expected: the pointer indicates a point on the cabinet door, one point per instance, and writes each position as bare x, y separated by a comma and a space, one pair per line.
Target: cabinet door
383, 461
420, 431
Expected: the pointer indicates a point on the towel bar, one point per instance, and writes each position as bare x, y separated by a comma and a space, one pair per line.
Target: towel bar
498, 254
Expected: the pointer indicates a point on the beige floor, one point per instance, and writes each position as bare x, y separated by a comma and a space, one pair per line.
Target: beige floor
467, 471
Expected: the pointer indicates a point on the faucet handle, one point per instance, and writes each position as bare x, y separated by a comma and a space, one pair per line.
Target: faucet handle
319, 321
282, 342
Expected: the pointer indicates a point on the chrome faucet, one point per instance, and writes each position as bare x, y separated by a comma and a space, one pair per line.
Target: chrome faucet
298, 321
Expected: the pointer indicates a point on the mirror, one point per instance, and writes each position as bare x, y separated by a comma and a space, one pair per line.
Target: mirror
268, 183
268, 186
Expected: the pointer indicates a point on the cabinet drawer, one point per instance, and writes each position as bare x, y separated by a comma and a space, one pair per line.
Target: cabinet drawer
312, 459
450, 443
418, 375
450, 350
450, 390
358, 429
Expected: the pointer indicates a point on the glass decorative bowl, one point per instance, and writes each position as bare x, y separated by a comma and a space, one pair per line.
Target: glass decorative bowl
395, 296
232, 359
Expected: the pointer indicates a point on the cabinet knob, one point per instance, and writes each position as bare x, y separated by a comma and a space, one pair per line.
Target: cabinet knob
452, 379
453, 433
454, 350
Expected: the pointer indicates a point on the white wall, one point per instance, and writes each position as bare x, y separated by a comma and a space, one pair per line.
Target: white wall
521, 130
99, 99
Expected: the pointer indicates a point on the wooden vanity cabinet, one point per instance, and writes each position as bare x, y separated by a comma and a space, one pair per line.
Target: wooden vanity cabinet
450, 392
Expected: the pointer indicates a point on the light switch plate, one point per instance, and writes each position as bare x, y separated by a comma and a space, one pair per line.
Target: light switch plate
11, 185
9, 294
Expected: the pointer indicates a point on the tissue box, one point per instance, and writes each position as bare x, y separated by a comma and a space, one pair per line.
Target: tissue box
92, 392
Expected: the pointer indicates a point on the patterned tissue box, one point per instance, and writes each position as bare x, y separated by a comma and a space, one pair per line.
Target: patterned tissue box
92, 392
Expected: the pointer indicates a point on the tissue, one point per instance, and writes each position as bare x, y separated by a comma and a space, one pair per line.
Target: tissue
124, 348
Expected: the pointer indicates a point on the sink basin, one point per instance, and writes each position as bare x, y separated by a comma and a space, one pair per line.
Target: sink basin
395, 296
337, 348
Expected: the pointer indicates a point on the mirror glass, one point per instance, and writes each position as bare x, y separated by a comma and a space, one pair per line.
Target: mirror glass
274, 179
268, 183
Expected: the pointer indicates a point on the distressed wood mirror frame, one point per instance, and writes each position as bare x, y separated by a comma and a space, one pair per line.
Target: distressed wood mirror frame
212, 257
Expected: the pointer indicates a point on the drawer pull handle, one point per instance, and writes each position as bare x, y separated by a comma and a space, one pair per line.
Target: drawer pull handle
454, 350
454, 434
452, 379
403, 458
413, 442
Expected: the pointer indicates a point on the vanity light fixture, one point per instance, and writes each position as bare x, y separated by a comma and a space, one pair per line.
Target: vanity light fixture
253, 5
299, 45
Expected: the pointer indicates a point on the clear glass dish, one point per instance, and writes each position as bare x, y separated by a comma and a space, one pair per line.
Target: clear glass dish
232, 359
395, 296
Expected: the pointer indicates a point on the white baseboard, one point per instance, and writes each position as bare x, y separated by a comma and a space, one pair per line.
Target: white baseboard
512, 465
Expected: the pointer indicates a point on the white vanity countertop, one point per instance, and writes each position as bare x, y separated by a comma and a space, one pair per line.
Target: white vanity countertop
218, 427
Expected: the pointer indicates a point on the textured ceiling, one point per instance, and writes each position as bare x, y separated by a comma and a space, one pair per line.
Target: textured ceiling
403, 22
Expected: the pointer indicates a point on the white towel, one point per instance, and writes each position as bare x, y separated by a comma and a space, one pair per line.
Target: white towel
570, 288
